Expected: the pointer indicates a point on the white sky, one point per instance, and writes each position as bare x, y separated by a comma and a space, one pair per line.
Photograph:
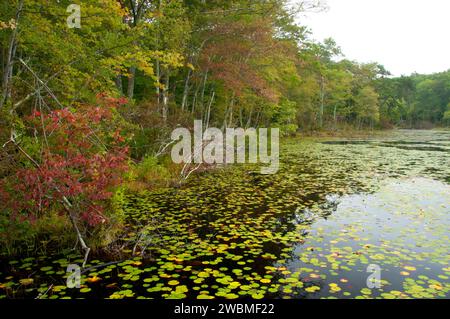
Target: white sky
405, 36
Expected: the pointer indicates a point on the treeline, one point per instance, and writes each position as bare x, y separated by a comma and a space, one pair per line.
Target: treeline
230, 63
416, 101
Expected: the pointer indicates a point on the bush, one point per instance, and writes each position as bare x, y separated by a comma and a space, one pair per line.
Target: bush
82, 162
446, 118
21, 235
288, 129
151, 173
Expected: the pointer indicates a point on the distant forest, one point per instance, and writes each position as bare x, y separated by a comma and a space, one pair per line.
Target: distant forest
416, 101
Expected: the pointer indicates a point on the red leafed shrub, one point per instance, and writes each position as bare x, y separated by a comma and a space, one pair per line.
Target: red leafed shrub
82, 159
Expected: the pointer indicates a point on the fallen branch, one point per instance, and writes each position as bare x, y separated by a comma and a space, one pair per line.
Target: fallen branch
45, 293
163, 148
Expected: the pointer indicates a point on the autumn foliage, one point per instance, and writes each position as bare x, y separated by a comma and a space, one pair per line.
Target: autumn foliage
82, 159
232, 53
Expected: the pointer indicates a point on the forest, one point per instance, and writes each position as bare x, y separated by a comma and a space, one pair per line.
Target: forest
87, 110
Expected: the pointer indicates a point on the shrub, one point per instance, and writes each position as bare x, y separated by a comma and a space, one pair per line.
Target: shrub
150, 173
83, 158
20, 235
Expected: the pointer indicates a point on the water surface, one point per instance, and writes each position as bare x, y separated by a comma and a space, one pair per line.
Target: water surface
311, 231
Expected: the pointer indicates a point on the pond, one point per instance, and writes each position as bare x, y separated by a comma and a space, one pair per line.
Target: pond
338, 214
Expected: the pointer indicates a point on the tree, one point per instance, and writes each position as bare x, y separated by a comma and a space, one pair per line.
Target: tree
446, 118
366, 106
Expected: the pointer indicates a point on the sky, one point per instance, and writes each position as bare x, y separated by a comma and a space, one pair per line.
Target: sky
405, 36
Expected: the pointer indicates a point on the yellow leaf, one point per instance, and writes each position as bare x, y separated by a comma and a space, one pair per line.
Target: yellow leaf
26, 282
93, 279
173, 282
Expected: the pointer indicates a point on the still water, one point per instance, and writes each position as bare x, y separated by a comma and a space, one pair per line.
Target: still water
337, 214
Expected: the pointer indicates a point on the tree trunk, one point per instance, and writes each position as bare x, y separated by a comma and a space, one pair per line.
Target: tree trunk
228, 114
158, 83
258, 117
119, 84
194, 101
131, 79
230, 122
249, 121
322, 101
8, 71
205, 79
165, 108
335, 116
158, 64
186, 91
241, 115
208, 113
